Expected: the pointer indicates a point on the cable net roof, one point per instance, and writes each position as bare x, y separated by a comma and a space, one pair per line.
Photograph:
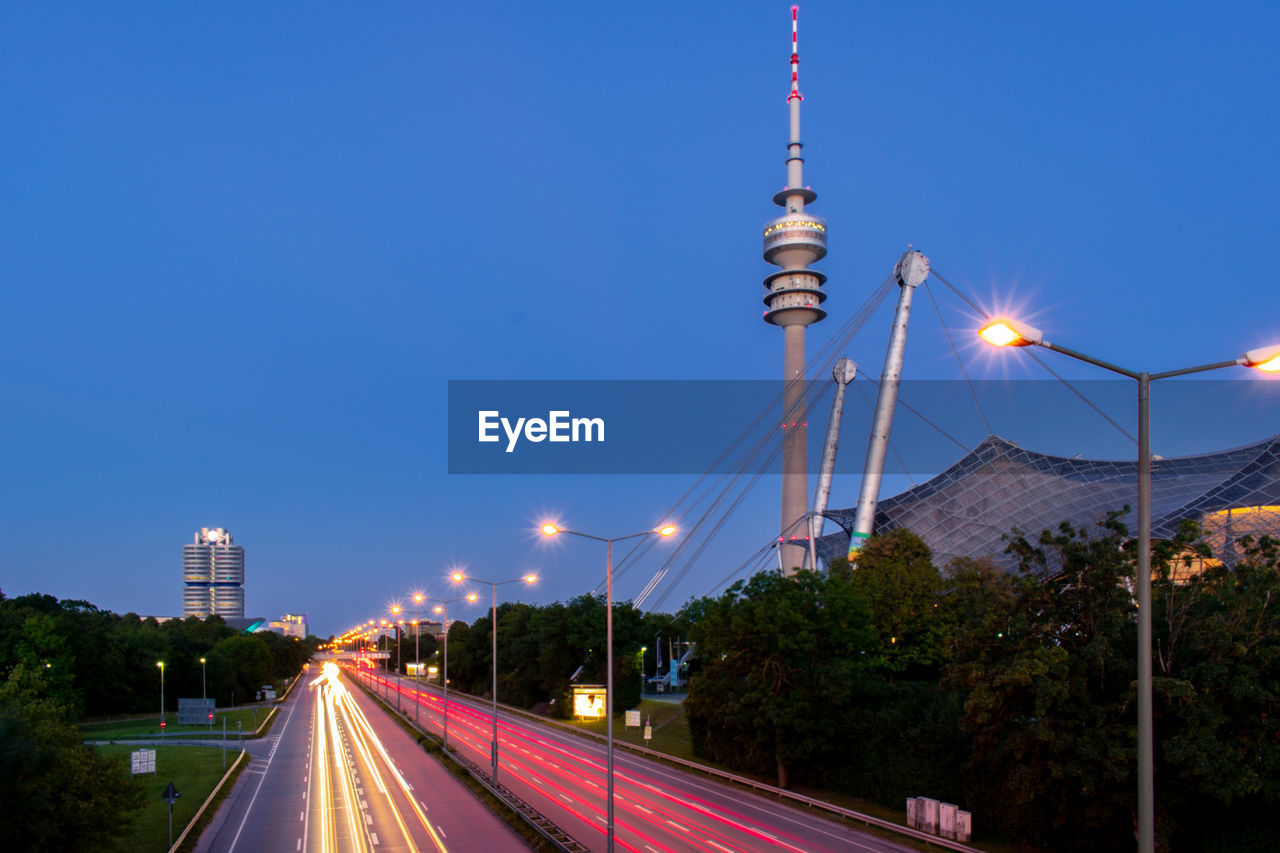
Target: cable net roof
965, 510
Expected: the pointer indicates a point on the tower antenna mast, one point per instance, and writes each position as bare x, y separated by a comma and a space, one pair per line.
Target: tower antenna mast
793, 241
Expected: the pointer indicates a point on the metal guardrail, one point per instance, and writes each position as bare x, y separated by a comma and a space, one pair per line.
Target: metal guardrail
545, 827
543, 824
208, 799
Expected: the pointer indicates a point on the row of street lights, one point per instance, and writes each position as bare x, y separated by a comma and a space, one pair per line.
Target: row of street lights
204, 694
458, 577
1000, 332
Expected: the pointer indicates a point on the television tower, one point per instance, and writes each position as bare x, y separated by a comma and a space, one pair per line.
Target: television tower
793, 241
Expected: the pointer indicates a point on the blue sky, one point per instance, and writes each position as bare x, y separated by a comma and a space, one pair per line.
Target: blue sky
244, 248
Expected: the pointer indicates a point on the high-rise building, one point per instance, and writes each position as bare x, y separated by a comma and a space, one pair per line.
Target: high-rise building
213, 575
793, 241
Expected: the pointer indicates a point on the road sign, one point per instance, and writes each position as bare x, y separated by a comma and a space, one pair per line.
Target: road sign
142, 761
195, 712
170, 796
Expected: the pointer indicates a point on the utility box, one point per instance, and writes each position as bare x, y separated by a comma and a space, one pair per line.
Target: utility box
947, 819
913, 813
929, 815
964, 826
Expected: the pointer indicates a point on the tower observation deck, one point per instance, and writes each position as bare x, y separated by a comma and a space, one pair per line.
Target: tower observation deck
793, 295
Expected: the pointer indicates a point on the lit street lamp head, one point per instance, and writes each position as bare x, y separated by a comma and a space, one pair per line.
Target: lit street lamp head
549, 529
530, 578
1266, 359
458, 577
667, 530
1004, 332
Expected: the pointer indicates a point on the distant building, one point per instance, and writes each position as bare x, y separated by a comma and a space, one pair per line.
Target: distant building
291, 625
213, 575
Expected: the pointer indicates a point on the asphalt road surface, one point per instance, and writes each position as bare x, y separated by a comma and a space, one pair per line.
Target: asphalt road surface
657, 808
336, 774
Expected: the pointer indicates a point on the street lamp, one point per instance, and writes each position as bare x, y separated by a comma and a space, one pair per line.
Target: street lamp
204, 693
418, 598
160, 664
1002, 331
550, 529
459, 577
443, 609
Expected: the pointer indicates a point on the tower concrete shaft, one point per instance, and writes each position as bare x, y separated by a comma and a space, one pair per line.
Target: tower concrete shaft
793, 241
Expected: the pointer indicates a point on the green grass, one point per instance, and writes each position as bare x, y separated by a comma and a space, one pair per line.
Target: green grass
150, 726
193, 770
670, 729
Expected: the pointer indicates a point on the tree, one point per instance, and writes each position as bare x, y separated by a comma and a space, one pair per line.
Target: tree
1049, 692
1217, 691
58, 793
783, 658
896, 576
239, 666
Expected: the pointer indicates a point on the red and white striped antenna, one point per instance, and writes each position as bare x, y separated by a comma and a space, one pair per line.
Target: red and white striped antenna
795, 56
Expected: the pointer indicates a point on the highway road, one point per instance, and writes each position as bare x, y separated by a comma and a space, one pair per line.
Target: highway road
337, 774
658, 809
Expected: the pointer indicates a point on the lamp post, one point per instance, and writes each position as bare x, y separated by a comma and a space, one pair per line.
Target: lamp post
443, 609
204, 693
418, 598
1002, 331
386, 663
160, 664
550, 529
459, 577
396, 623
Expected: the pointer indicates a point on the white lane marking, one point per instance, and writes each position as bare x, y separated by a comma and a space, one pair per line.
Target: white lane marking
443, 834
424, 805
299, 847
650, 849
302, 814
678, 826
374, 837
566, 799
642, 808
254, 798
717, 846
